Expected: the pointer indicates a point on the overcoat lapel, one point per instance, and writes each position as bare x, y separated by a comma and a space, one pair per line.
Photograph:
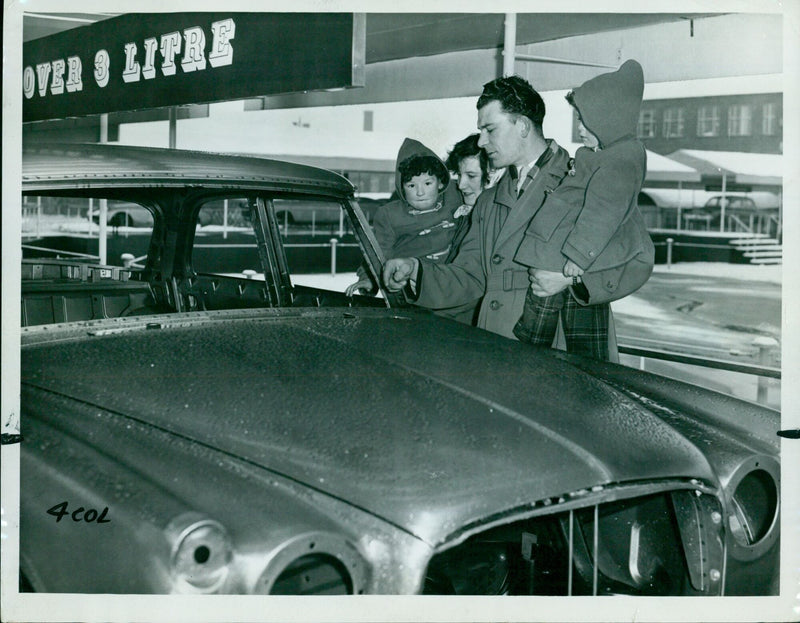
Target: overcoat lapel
524, 207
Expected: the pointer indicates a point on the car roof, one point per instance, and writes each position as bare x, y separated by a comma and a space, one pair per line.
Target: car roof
50, 166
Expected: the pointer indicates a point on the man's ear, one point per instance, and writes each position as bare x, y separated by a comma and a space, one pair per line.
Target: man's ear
526, 126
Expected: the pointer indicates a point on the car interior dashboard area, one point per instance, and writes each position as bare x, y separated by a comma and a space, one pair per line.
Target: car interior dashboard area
54, 291
58, 291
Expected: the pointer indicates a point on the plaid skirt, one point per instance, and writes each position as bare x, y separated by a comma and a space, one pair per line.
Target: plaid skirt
585, 326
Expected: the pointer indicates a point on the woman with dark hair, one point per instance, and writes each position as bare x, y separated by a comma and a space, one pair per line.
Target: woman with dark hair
470, 164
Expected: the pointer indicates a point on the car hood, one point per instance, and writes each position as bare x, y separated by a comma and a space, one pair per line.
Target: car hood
421, 421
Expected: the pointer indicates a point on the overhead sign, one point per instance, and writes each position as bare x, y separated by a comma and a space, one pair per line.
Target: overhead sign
151, 60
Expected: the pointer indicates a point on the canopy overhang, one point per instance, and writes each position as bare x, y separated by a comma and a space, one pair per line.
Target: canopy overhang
734, 171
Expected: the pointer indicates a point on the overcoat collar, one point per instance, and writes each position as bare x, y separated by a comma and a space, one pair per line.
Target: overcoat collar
551, 170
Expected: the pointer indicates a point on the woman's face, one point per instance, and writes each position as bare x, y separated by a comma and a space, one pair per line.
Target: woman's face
469, 179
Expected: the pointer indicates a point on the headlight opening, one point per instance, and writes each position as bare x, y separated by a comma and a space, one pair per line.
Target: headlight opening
200, 555
754, 507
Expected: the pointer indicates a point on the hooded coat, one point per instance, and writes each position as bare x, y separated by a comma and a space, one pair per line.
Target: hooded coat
402, 231
593, 218
484, 272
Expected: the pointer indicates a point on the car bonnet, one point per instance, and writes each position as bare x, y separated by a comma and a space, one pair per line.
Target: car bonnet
421, 421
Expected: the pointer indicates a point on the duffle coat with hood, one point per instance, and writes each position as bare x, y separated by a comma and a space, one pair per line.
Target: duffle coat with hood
402, 231
593, 218
484, 270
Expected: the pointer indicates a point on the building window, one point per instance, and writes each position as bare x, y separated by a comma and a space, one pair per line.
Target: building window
673, 122
367, 121
708, 121
739, 120
647, 124
769, 119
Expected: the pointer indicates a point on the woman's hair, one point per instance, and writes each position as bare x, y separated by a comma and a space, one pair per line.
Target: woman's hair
465, 148
417, 165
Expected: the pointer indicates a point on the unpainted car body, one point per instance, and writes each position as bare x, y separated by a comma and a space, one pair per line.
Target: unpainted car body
255, 436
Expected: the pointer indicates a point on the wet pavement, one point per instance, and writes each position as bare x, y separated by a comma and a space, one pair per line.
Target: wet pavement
718, 317
702, 315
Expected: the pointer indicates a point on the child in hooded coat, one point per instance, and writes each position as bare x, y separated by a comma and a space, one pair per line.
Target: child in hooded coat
590, 228
403, 230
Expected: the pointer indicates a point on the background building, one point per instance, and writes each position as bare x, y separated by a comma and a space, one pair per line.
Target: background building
744, 123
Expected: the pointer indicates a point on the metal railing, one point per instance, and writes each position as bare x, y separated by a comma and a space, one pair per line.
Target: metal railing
60, 252
671, 245
765, 221
763, 372
707, 362
342, 226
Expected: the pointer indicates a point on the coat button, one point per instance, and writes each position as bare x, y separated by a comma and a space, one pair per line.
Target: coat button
610, 285
497, 258
591, 253
495, 305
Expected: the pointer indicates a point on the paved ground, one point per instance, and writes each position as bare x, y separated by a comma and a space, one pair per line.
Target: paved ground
707, 310
702, 314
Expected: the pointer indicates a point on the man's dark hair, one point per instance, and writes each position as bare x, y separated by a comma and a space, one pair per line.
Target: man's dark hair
516, 96
465, 148
417, 165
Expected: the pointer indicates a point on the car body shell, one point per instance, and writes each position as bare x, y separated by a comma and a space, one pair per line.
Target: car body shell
311, 423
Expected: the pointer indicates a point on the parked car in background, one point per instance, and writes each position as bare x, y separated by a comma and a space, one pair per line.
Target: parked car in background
125, 214
759, 200
308, 212
316, 213
230, 431
715, 203
756, 212
753, 213
370, 205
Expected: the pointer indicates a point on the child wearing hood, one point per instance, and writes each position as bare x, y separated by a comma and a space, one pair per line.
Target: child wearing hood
589, 228
421, 222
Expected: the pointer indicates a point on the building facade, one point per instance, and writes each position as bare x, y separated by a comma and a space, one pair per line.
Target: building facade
750, 123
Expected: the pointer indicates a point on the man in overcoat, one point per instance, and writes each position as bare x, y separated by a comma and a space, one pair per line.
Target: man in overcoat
510, 116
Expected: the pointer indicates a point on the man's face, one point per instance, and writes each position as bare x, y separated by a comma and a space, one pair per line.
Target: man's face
500, 136
422, 191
